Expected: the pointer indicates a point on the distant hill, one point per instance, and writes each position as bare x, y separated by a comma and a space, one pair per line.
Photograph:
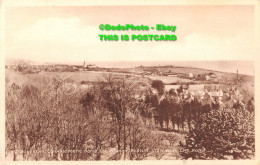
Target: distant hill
18, 61
160, 68
27, 62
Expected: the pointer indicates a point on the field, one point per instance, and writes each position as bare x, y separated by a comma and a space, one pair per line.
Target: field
76, 76
167, 79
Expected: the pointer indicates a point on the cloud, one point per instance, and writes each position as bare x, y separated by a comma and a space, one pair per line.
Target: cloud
69, 40
204, 47
53, 40
65, 31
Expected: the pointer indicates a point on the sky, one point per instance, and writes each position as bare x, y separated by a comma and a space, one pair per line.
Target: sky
70, 34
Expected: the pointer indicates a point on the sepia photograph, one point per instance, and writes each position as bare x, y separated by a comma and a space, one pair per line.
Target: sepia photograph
129, 82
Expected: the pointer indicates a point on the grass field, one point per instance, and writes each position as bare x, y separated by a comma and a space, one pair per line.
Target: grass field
75, 76
167, 79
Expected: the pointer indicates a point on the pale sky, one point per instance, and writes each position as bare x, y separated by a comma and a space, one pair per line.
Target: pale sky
70, 34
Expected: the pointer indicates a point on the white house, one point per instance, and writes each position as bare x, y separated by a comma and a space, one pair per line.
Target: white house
207, 77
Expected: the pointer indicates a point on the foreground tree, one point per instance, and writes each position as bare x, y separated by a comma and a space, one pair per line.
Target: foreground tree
221, 134
125, 116
158, 84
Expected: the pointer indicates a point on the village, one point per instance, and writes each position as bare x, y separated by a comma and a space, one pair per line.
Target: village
208, 87
140, 70
206, 94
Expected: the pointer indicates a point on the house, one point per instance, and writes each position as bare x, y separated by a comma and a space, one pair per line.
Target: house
211, 76
216, 94
198, 94
191, 75
91, 66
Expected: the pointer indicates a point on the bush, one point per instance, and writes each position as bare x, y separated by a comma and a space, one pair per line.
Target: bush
221, 134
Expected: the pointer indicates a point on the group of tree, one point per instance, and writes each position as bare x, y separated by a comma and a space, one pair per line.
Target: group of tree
221, 134
53, 120
181, 114
213, 132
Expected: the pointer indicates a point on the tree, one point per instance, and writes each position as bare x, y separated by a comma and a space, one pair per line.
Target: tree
158, 84
125, 117
221, 134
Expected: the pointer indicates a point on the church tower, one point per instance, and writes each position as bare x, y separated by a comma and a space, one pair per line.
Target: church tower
84, 64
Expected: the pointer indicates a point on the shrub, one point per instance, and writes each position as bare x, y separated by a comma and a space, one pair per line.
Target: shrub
221, 134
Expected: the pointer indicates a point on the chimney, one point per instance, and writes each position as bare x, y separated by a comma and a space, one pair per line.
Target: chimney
237, 76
